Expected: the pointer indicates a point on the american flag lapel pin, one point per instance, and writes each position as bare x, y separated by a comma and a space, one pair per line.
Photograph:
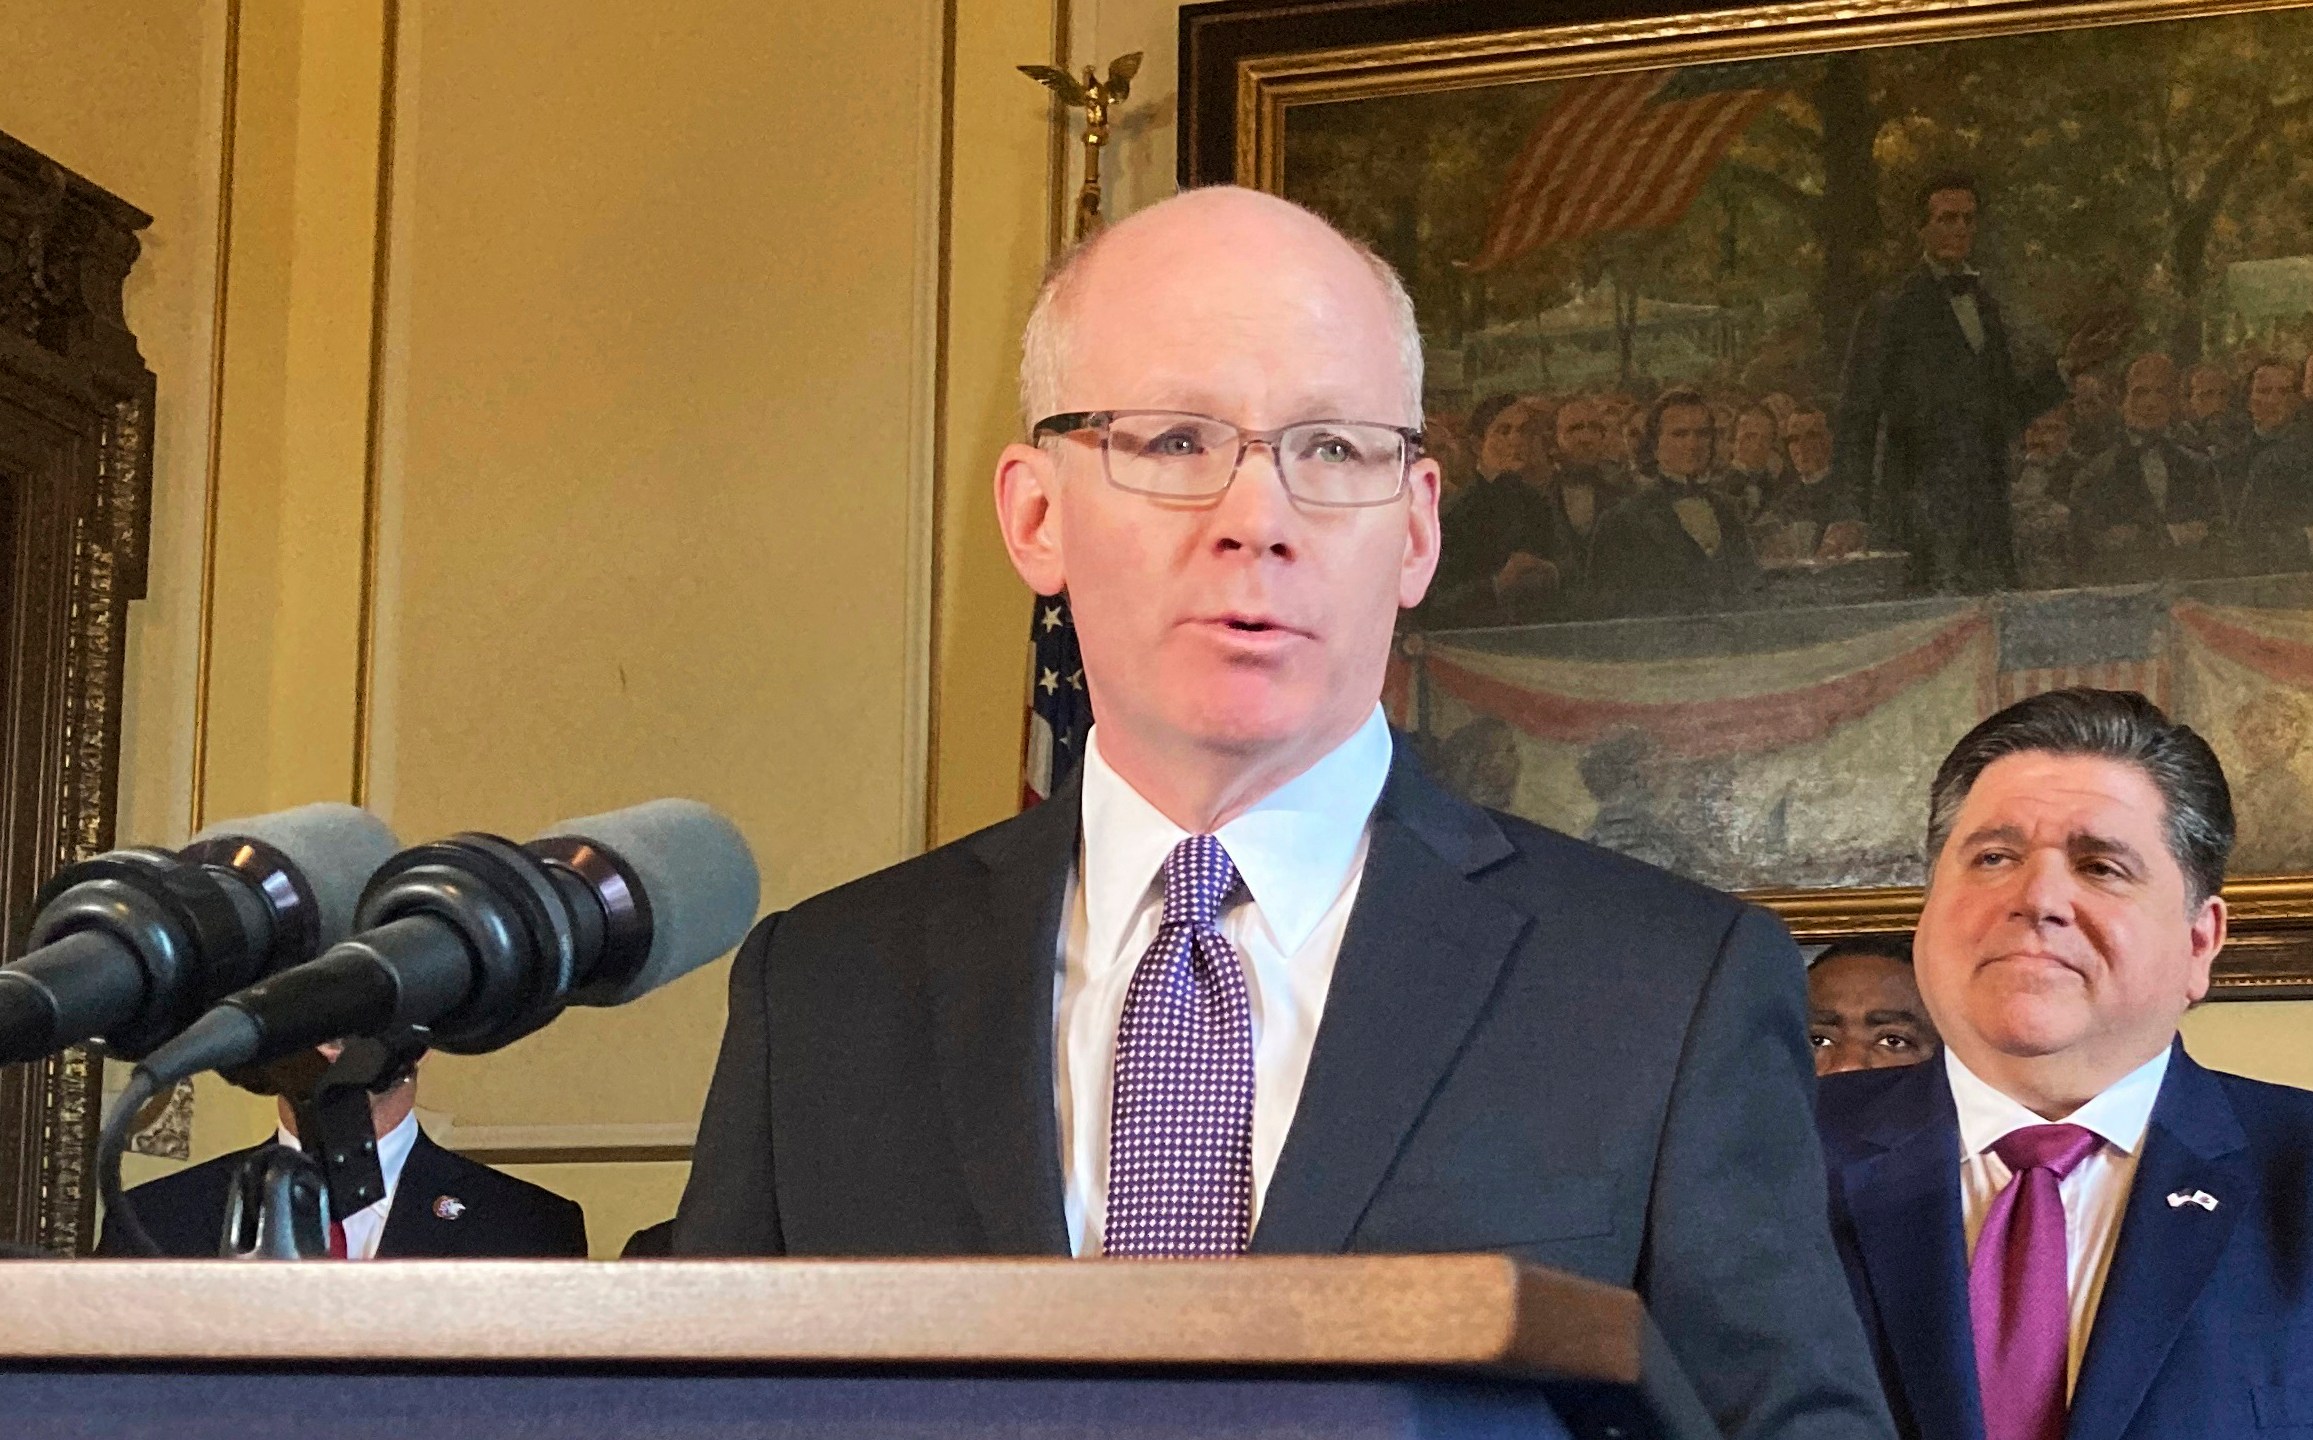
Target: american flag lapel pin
450, 1207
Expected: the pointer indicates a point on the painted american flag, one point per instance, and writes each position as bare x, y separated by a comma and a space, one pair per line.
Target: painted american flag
1059, 707
2149, 677
1621, 152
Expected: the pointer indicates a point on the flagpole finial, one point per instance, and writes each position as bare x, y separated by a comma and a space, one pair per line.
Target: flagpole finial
1096, 97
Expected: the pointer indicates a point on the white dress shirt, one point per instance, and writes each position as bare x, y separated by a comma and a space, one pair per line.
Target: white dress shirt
2154, 468
1300, 852
2095, 1194
366, 1226
1963, 304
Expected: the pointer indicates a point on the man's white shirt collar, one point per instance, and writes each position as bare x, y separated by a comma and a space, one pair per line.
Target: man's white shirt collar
393, 1152
2119, 1116
1294, 847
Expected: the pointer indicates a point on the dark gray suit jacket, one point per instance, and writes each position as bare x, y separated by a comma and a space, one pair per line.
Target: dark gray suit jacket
1530, 1045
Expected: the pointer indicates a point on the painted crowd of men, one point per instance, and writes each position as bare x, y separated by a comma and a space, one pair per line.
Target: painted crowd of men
1597, 506
1968, 467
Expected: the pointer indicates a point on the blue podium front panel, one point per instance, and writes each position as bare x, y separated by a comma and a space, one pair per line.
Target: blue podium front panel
184, 1403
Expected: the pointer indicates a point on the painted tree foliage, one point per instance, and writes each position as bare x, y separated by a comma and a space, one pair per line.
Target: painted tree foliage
2129, 164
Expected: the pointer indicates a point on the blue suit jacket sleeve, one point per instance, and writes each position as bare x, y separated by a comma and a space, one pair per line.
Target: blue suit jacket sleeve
1740, 1277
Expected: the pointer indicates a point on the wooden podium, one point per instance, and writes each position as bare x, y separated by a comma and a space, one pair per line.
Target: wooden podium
1338, 1347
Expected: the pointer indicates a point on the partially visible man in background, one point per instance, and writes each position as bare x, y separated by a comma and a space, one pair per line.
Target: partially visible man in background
1863, 1007
1810, 513
2148, 507
2271, 494
1674, 543
437, 1204
1497, 560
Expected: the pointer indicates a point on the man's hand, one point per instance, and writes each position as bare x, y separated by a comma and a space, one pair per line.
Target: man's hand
1524, 575
2097, 340
1773, 542
1842, 538
2116, 537
2188, 533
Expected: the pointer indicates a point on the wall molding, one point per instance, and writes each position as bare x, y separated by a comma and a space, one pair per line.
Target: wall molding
566, 1144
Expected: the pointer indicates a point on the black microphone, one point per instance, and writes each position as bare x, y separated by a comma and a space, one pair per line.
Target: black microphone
477, 941
131, 946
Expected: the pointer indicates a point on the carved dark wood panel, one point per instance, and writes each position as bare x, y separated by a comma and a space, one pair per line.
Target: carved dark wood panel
76, 405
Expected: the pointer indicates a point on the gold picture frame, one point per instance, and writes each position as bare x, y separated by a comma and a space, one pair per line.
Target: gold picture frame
1248, 68
76, 418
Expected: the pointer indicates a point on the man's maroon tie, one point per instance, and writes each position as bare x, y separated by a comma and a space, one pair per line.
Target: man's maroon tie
2017, 1290
337, 1246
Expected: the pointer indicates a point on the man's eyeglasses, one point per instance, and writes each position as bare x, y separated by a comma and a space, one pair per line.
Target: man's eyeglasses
1174, 455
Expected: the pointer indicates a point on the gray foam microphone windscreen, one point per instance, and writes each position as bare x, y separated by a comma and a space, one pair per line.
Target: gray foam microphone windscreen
337, 848
697, 873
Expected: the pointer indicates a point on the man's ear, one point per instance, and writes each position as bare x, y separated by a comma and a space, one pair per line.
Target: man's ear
2208, 932
1422, 482
1028, 510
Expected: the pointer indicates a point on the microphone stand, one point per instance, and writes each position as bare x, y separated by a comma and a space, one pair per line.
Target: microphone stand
280, 1198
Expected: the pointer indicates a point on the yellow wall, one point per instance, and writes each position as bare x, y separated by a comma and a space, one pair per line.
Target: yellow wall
657, 494
127, 92
2269, 1039
642, 449
131, 94
999, 201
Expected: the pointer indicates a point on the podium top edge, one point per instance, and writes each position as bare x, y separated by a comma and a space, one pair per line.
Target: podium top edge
1483, 1313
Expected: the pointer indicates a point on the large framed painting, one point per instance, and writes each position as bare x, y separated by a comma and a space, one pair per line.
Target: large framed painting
1813, 380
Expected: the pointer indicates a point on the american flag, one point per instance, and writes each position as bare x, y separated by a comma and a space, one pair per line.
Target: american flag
1621, 152
2149, 677
1059, 707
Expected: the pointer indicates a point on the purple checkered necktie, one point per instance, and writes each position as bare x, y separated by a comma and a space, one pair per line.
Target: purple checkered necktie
2018, 1295
1180, 1128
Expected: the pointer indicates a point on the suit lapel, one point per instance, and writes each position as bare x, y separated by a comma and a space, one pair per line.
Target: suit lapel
1995, 336
2165, 1253
1904, 1201
1420, 958
412, 1229
992, 955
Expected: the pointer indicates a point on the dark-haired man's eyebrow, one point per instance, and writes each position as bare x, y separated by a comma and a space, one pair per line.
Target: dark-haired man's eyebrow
2105, 847
1892, 1017
1994, 835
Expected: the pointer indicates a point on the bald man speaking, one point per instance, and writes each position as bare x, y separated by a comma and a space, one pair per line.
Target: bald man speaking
1252, 982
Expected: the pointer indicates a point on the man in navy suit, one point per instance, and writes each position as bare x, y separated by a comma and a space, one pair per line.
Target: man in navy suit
437, 1204
2066, 1227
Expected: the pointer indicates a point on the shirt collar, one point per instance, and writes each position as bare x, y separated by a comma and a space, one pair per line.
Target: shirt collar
1293, 848
2119, 1115
393, 1149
